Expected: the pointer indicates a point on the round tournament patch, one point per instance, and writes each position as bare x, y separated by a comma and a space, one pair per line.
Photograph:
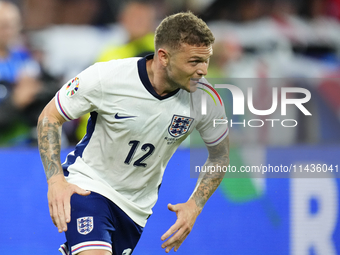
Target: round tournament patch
72, 87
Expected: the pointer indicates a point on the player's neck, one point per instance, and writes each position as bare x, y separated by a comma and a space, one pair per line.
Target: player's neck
157, 78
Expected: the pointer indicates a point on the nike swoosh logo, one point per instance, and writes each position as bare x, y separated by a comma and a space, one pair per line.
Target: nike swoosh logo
123, 117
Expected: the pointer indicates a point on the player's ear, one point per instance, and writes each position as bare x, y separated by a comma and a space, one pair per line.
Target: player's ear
163, 56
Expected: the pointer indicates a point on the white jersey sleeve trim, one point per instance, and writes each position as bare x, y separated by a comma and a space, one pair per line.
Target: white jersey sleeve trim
60, 108
218, 140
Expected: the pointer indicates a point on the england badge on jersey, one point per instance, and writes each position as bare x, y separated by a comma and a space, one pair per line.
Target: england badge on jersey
179, 125
85, 225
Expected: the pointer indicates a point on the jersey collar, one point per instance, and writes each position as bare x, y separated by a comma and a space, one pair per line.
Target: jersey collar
143, 75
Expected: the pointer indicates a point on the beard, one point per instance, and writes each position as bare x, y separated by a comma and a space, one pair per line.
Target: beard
188, 84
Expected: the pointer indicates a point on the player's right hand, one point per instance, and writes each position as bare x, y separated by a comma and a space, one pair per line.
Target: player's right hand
59, 197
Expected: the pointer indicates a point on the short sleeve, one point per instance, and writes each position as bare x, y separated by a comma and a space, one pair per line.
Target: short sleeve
80, 95
213, 126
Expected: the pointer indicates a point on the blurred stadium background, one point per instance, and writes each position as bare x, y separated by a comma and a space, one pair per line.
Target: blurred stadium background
259, 43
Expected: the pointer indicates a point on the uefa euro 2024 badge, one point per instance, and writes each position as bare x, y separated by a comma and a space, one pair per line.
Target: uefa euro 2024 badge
72, 87
85, 225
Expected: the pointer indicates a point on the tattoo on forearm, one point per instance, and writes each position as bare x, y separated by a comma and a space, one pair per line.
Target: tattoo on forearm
205, 189
218, 155
49, 146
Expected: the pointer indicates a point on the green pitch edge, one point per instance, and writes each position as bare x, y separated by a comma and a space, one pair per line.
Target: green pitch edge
239, 190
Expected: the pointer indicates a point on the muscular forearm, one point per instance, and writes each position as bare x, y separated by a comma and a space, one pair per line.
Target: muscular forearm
206, 186
59, 190
208, 181
49, 140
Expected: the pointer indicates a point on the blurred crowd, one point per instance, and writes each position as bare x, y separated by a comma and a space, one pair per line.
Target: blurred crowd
45, 43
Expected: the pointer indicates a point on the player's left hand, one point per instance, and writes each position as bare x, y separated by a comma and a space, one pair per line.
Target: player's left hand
186, 217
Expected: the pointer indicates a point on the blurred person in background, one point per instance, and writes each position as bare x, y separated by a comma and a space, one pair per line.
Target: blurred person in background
40, 14
138, 18
63, 29
18, 78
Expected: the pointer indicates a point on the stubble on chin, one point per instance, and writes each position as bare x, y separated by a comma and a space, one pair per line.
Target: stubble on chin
193, 85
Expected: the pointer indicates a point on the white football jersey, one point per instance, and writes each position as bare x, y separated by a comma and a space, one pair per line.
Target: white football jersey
132, 132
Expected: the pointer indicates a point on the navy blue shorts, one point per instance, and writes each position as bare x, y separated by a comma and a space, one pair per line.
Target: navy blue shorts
98, 223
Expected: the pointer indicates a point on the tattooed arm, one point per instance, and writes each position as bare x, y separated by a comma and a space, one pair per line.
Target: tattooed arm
59, 190
49, 133
207, 183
